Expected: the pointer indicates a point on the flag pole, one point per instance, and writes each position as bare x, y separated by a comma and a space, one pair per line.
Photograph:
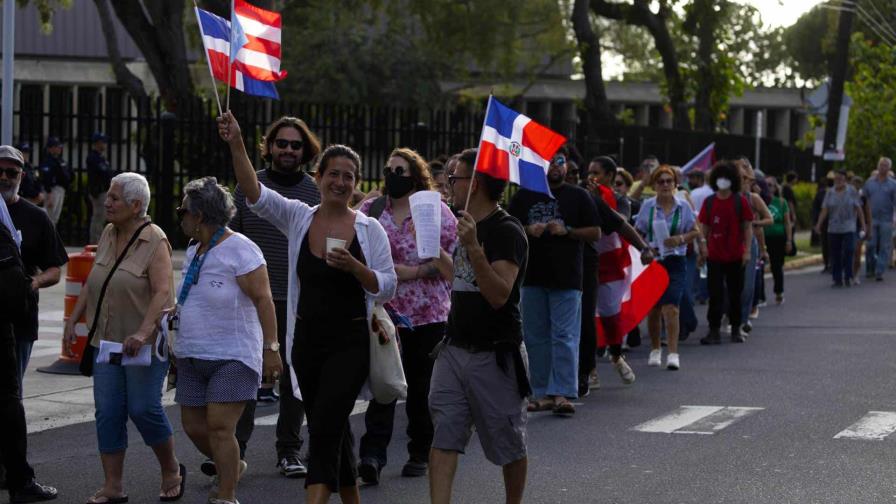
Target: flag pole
210, 72
476, 163
230, 52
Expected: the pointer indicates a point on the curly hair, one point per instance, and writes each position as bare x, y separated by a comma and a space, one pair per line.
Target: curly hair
207, 197
725, 169
419, 168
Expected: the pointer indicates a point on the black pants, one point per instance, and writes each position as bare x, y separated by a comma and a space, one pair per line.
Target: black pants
416, 345
588, 339
724, 277
332, 361
292, 411
777, 250
13, 433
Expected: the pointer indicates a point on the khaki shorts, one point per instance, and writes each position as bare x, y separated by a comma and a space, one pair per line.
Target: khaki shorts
469, 389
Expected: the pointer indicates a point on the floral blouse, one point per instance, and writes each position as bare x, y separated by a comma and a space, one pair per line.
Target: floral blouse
423, 300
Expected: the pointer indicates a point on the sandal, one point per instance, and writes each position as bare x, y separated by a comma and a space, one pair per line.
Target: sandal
121, 499
544, 404
564, 409
182, 484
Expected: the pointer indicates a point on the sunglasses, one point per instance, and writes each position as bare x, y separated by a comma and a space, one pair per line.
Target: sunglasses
454, 178
283, 143
398, 170
559, 161
665, 181
11, 173
181, 211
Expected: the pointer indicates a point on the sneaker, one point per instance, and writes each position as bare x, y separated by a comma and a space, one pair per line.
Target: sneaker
268, 395
208, 467
737, 337
414, 468
779, 299
672, 362
625, 371
747, 328
656, 358
593, 381
292, 467
33, 492
762, 304
879, 278
754, 314
713, 338
369, 471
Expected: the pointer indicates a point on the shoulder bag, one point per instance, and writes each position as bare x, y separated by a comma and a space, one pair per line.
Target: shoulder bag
89, 356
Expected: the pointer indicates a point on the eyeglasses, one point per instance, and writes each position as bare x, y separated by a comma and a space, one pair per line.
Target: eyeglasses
398, 170
181, 211
11, 173
665, 181
454, 178
283, 143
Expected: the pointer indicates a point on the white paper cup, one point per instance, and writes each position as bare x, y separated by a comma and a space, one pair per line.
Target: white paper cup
334, 243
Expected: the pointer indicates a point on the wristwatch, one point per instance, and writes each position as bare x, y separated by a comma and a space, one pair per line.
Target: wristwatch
274, 347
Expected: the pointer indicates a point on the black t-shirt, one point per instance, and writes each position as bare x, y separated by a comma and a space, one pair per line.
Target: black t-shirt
30, 187
42, 249
609, 220
472, 320
556, 260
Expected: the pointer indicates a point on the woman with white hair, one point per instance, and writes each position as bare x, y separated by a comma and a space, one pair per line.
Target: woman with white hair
227, 338
137, 292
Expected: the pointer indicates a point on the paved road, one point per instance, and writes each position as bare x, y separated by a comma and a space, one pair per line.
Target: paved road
799, 414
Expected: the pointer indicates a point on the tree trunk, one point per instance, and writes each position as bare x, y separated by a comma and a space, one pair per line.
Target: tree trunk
704, 26
639, 14
597, 110
123, 76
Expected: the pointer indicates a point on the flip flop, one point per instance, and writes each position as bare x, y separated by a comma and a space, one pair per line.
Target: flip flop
180, 493
108, 500
540, 405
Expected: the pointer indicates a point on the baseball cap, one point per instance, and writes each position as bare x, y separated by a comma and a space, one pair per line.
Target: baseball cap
98, 136
53, 141
24, 146
11, 153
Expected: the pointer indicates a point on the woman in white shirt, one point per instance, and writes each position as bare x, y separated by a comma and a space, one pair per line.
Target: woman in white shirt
340, 265
227, 334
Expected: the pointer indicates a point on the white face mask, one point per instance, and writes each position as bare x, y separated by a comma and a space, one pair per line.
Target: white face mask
723, 184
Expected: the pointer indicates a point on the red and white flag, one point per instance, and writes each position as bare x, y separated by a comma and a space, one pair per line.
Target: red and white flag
627, 289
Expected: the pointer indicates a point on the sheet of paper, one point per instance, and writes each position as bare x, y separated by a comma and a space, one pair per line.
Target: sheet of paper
111, 353
426, 210
660, 233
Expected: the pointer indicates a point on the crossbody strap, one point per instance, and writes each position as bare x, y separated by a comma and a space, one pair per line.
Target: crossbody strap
99, 303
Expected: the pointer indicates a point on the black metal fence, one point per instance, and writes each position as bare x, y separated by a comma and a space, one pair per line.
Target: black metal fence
173, 149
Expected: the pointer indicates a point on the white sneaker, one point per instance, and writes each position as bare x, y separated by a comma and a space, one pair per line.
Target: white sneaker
672, 362
625, 372
656, 358
593, 381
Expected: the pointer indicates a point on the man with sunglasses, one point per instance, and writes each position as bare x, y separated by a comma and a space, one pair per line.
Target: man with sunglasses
557, 229
288, 145
43, 253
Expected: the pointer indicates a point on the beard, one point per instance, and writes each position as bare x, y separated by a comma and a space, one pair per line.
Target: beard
285, 163
8, 191
556, 176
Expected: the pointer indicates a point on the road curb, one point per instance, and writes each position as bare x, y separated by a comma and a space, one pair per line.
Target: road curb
803, 262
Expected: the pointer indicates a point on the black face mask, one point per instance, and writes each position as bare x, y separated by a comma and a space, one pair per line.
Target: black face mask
398, 187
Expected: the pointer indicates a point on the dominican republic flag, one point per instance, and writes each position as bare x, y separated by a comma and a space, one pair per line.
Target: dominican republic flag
626, 291
254, 55
702, 162
516, 148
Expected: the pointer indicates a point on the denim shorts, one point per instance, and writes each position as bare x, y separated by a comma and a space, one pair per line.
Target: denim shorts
676, 267
200, 382
135, 392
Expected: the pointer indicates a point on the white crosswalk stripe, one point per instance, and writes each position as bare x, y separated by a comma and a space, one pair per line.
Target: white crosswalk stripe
696, 419
874, 426
360, 407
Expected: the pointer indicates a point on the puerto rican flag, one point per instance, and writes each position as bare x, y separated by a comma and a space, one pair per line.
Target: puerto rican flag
515, 148
702, 162
255, 53
627, 289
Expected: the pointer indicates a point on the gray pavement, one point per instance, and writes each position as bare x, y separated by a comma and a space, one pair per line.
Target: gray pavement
787, 417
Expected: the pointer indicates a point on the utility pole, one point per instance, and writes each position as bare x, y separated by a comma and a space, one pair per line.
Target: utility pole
9, 41
838, 76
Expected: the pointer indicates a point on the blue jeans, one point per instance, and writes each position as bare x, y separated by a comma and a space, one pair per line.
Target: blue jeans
687, 318
551, 329
879, 248
120, 392
746, 295
23, 355
842, 246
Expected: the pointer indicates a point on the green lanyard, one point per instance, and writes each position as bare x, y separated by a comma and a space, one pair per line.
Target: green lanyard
675, 218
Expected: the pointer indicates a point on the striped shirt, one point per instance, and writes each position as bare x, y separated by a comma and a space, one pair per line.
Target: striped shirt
272, 242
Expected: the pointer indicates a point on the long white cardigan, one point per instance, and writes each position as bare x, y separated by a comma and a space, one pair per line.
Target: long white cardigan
292, 218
